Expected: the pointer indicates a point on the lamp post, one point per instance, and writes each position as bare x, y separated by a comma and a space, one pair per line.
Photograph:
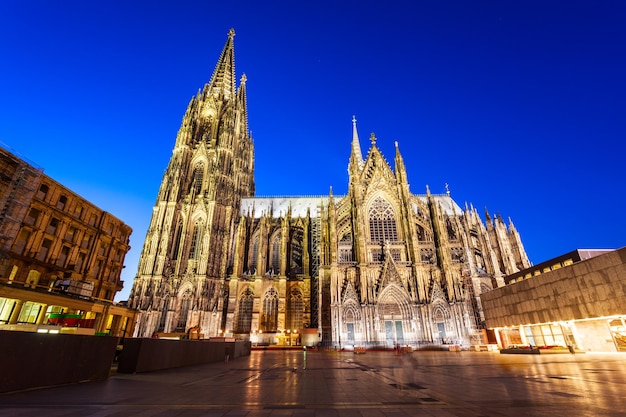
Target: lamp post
295, 333
289, 333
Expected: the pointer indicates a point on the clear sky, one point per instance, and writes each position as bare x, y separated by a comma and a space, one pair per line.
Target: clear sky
519, 106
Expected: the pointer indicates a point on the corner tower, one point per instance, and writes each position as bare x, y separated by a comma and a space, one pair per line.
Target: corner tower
180, 282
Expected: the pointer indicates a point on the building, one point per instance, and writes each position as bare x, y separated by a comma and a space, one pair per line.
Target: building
577, 299
377, 267
59, 254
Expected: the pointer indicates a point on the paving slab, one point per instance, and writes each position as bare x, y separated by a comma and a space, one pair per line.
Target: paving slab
342, 384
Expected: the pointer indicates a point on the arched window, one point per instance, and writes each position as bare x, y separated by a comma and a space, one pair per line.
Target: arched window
176, 242
296, 309
253, 254
196, 241
198, 176
185, 304
244, 314
382, 222
269, 316
275, 253
297, 248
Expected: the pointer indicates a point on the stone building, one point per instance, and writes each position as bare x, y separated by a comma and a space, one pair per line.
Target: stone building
54, 244
576, 300
377, 267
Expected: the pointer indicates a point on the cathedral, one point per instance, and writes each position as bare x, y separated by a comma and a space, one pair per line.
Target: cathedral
375, 268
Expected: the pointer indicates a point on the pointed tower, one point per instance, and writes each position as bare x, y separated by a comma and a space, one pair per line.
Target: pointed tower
182, 274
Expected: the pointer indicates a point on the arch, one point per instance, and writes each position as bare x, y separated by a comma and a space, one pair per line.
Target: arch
196, 240
244, 311
440, 317
382, 221
253, 253
197, 178
269, 314
178, 236
395, 314
351, 319
275, 242
185, 297
296, 309
296, 250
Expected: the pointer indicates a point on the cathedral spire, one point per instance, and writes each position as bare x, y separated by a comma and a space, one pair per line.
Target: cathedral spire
356, 146
400, 167
223, 78
243, 104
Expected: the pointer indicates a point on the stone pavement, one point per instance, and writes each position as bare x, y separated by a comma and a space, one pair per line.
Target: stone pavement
331, 384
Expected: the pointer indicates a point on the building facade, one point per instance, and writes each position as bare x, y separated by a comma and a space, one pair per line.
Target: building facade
379, 266
55, 245
576, 300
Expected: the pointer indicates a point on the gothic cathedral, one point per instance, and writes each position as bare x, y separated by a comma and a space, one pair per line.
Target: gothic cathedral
375, 268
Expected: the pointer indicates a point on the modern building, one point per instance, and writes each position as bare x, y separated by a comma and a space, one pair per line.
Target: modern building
59, 254
376, 267
576, 300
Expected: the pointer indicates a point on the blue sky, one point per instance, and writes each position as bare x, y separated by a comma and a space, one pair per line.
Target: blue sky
519, 106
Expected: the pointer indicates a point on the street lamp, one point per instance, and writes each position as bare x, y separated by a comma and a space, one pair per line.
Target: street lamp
289, 333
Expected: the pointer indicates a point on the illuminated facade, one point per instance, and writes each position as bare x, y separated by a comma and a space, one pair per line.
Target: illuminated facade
576, 300
58, 252
377, 267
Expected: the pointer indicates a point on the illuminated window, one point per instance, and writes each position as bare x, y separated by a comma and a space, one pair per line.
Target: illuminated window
382, 222
296, 309
269, 316
244, 315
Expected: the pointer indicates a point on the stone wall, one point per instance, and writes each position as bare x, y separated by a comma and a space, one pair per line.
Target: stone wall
588, 289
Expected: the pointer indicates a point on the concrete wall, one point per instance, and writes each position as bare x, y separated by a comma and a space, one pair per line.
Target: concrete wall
145, 355
32, 360
592, 288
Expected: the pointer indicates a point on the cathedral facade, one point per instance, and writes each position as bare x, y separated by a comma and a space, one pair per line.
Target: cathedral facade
377, 267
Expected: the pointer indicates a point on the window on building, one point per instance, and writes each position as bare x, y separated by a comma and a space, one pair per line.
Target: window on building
382, 222
185, 304
297, 249
296, 309
86, 241
275, 254
253, 254
93, 219
78, 211
31, 218
80, 260
69, 235
62, 202
43, 192
97, 267
65, 251
244, 313
269, 315
52, 226
21, 241
29, 313
103, 248
196, 241
177, 239
45, 248
198, 176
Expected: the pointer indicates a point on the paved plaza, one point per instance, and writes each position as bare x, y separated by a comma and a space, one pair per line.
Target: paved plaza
341, 384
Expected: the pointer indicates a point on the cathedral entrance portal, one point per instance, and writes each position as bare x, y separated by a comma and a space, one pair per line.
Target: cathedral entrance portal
394, 334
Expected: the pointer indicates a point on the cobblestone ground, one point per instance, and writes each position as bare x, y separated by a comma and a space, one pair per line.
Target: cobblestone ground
331, 384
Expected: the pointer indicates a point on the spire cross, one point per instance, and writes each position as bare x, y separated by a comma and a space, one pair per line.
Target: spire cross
373, 139
353, 119
231, 33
